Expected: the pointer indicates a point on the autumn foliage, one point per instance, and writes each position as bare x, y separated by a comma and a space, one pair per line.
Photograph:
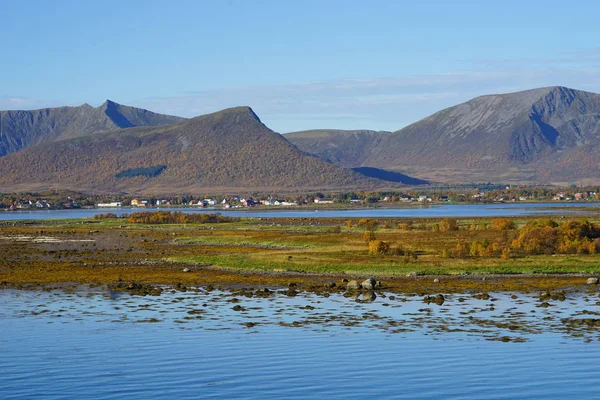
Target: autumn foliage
167, 217
542, 236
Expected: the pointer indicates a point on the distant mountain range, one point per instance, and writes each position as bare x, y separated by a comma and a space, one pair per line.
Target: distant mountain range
21, 129
547, 135
225, 151
542, 135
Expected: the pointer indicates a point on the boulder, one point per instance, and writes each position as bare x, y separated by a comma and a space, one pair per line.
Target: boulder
592, 281
353, 285
368, 284
439, 299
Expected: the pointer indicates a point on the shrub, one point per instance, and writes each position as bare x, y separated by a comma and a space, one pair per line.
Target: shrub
363, 221
502, 224
460, 251
541, 223
167, 217
378, 247
368, 236
371, 225
105, 216
537, 240
448, 224
573, 230
368, 223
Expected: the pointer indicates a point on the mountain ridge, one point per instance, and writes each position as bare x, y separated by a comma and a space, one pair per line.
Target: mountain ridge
494, 133
541, 135
22, 128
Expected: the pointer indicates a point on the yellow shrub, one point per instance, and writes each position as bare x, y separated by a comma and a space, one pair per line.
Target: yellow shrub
378, 247
502, 224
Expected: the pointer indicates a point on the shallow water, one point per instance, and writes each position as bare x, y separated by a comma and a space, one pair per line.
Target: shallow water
432, 211
97, 344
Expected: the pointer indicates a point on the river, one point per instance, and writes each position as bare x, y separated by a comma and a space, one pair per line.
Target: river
435, 210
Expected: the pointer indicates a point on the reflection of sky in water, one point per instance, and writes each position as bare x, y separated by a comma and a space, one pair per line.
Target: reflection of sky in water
92, 345
436, 210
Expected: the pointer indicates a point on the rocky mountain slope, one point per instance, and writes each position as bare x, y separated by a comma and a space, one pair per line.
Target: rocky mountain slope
544, 135
20, 129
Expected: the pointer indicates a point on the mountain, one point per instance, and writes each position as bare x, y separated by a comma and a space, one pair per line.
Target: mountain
224, 151
346, 148
543, 135
546, 135
20, 129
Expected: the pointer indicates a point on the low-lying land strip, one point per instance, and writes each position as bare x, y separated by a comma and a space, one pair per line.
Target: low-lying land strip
418, 254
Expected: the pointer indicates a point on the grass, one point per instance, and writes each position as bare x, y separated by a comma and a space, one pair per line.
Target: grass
314, 246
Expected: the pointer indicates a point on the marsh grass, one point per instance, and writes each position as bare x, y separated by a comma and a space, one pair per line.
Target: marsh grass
319, 246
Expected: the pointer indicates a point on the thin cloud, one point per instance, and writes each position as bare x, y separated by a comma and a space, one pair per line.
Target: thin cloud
374, 103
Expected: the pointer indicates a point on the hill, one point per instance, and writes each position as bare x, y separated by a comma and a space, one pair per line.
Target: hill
228, 150
346, 148
20, 129
543, 135
546, 135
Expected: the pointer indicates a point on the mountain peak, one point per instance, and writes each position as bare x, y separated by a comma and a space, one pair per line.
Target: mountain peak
241, 111
109, 104
234, 113
51, 124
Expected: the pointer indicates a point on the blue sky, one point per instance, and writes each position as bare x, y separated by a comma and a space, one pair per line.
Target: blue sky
299, 64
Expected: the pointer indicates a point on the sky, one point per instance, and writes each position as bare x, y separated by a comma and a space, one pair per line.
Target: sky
299, 64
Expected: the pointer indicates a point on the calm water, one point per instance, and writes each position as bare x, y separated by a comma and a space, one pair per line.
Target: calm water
438, 210
95, 344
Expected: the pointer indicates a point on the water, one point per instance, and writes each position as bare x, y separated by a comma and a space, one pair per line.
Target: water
96, 344
433, 211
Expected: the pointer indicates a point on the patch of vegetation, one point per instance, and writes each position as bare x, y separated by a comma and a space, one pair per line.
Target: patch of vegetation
157, 247
148, 172
176, 217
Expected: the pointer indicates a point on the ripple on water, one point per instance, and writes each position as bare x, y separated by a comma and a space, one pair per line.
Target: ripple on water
97, 347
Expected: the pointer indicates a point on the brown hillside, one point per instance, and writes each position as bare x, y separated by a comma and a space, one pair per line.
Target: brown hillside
228, 149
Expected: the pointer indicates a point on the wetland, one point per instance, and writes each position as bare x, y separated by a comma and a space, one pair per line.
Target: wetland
237, 307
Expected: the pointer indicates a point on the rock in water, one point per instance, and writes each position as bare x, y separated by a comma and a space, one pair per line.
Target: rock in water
592, 281
368, 284
439, 299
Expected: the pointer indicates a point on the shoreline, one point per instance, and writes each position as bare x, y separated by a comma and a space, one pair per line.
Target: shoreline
304, 281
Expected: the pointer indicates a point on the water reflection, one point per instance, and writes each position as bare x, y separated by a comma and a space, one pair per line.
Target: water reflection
501, 316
